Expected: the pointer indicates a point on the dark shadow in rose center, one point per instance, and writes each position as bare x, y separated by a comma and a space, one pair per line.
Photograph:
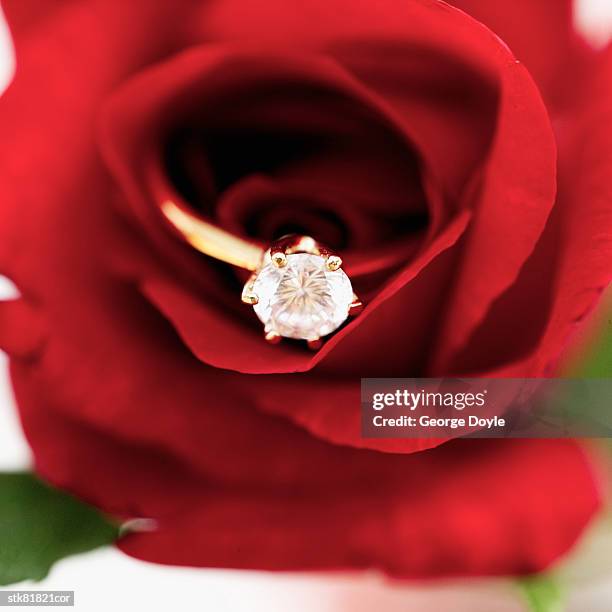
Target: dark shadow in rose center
287, 157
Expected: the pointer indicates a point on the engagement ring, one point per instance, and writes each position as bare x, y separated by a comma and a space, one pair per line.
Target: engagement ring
297, 288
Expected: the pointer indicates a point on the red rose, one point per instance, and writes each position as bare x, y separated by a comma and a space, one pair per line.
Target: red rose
405, 134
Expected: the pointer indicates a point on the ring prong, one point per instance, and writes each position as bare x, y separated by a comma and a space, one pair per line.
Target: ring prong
272, 337
249, 298
356, 306
333, 262
279, 259
315, 344
303, 244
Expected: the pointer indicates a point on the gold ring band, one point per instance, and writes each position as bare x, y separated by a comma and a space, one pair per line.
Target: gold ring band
212, 240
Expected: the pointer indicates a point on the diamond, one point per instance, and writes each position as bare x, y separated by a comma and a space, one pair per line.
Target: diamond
304, 299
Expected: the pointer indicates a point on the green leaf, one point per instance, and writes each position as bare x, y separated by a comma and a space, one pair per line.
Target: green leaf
40, 525
542, 593
597, 362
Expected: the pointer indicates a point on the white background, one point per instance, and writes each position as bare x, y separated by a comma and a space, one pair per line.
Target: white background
106, 579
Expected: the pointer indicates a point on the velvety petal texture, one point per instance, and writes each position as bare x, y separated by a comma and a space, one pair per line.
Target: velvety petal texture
410, 137
263, 494
542, 35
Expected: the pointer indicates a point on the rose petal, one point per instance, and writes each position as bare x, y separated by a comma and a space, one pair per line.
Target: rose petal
571, 266
542, 35
141, 116
23, 15
501, 509
511, 211
583, 270
483, 517
522, 122
22, 329
238, 349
